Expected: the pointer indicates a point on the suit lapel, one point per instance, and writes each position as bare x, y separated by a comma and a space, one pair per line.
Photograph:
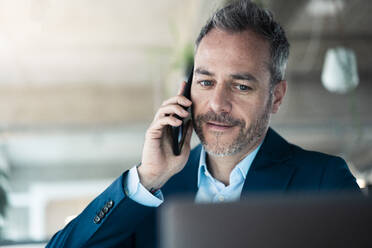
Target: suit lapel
269, 171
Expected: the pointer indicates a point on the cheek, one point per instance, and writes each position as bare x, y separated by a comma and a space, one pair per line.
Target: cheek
249, 111
199, 102
198, 109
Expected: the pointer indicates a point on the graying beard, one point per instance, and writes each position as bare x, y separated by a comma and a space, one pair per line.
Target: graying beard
254, 133
248, 138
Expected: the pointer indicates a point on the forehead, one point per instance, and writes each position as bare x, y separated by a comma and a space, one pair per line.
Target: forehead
240, 50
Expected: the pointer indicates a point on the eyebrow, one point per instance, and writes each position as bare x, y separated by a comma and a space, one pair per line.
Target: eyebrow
203, 72
237, 76
244, 76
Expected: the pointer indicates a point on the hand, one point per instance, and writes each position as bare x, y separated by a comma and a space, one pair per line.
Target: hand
159, 163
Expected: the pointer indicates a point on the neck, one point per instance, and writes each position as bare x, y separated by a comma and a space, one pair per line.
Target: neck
221, 167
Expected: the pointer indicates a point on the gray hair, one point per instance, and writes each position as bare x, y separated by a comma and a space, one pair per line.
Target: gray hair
244, 15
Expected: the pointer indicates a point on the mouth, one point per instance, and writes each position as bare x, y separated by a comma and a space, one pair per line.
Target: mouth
217, 126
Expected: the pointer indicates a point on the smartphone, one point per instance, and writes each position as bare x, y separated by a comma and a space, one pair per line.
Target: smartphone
178, 133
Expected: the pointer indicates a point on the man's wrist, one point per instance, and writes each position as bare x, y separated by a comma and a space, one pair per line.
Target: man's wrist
150, 181
138, 193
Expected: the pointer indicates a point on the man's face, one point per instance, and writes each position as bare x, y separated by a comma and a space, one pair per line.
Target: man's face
231, 95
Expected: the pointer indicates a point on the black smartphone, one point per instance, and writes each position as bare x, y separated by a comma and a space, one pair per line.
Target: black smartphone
178, 133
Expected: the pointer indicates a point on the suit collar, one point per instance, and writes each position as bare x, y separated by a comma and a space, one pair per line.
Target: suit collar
274, 149
269, 171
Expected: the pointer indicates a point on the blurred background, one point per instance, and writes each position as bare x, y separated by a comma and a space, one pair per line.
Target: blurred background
80, 81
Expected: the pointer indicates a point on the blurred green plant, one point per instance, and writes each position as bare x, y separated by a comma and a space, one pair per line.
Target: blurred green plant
182, 52
185, 58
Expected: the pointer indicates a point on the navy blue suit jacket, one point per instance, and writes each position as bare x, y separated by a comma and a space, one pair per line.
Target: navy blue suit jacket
114, 220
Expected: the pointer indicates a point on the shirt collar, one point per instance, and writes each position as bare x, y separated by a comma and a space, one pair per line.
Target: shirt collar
243, 166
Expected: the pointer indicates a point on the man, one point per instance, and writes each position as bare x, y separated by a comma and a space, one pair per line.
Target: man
240, 59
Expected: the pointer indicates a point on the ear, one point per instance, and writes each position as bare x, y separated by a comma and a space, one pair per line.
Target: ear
278, 95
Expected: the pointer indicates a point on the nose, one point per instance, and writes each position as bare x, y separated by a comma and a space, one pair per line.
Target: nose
220, 100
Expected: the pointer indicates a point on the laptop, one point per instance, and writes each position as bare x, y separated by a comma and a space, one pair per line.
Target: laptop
266, 222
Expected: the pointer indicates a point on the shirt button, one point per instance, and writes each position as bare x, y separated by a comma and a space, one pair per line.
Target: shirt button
221, 198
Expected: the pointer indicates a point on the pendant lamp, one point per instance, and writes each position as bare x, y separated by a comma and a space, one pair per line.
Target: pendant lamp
340, 74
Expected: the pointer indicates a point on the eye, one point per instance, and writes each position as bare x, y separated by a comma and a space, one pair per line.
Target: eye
205, 83
242, 87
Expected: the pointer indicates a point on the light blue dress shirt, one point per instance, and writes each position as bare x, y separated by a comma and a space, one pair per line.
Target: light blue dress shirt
209, 188
213, 190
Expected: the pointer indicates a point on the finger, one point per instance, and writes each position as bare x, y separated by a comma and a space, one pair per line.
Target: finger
182, 88
171, 110
181, 100
164, 121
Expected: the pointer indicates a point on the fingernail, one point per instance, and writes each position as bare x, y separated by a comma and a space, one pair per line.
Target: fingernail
187, 101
